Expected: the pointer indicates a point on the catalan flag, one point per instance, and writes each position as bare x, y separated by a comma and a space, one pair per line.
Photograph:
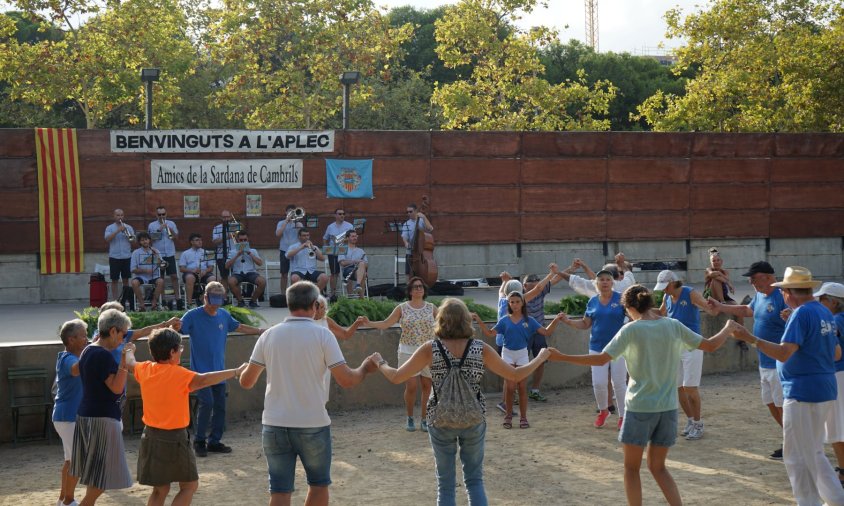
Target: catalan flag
59, 201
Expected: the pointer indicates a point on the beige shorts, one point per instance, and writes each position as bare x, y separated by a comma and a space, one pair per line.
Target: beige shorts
404, 357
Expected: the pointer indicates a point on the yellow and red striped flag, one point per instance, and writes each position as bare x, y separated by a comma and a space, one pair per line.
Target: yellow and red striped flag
59, 201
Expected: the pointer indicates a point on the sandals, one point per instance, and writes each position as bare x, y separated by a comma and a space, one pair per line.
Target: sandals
523, 423
508, 422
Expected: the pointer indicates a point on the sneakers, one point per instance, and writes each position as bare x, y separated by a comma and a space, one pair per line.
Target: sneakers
240, 303
254, 303
200, 449
423, 426
219, 448
776, 454
71, 503
696, 432
410, 427
358, 290
620, 422
534, 395
601, 419
689, 424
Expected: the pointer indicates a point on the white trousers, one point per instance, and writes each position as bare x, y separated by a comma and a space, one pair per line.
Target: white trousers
600, 382
813, 479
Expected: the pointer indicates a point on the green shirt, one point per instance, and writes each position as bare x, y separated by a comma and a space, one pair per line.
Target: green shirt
652, 350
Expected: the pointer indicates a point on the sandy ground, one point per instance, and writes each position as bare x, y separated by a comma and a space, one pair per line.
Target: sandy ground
561, 459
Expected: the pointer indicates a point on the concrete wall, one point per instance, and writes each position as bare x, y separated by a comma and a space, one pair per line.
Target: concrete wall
376, 391
21, 284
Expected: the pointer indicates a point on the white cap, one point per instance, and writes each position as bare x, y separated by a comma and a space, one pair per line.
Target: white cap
833, 289
664, 278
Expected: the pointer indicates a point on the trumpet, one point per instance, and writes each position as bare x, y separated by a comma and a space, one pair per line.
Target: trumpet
296, 214
129, 236
156, 259
164, 225
234, 228
312, 251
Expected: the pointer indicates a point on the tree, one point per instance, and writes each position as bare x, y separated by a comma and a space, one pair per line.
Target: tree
96, 65
635, 77
506, 90
286, 57
764, 66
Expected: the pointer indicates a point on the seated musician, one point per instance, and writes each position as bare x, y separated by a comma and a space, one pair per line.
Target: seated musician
146, 266
303, 261
354, 265
195, 266
242, 264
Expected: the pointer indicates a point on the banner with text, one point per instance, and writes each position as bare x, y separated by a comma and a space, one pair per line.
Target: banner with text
221, 141
225, 174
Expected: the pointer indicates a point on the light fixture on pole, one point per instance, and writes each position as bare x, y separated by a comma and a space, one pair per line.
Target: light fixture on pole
347, 79
148, 76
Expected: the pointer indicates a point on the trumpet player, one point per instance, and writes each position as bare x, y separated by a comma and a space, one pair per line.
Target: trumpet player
354, 264
303, 261
119, 237
146, 265
243, 262
336, 229
195, 266
287, 230
165, 244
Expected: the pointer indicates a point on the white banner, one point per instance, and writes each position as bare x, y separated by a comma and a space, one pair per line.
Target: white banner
225, 174
221, 141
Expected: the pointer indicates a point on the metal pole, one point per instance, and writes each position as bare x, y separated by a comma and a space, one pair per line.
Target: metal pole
148, 122
346, 106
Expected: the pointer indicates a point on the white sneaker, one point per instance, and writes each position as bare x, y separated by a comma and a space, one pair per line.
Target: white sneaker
689, 424
696, 432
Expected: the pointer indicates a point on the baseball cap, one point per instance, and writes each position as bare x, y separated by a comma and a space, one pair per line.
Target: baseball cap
833, 289
759, 267
605, 271
664, 278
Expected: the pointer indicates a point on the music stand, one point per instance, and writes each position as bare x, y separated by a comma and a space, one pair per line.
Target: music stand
311, 222
395, 225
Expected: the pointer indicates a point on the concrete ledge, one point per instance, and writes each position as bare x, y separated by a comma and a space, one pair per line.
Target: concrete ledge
376, 391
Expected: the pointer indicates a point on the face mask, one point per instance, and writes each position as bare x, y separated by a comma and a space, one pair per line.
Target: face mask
215, 300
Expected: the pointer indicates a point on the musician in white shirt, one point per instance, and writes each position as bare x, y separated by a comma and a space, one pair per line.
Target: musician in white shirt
243, 263
354, 265
195, 266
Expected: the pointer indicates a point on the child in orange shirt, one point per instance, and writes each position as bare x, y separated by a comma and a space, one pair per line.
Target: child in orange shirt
165, 390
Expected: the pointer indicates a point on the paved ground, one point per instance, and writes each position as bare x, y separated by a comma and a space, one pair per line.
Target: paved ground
40, 322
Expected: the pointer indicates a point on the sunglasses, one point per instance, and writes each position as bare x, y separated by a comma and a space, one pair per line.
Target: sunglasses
417, 287
410, 212
341, 214
243, 240
162, 214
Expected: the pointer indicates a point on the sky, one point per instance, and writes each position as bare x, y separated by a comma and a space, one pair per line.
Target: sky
634, 26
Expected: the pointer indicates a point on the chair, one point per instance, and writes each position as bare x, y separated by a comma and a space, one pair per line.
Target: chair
365, 286
148, 290
29, 394
135, 402
198, 293
246, 291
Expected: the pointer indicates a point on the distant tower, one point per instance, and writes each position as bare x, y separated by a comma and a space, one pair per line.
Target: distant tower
592, 24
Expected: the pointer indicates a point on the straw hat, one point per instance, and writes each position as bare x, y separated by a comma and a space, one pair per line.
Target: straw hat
797, 277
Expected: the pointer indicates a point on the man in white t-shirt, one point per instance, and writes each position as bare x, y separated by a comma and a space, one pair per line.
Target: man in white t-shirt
296, 354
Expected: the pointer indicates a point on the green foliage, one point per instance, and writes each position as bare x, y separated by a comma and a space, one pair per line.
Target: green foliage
89, 315
506, 90
764, 66
658, 295
486, 313
345, 311
573, 305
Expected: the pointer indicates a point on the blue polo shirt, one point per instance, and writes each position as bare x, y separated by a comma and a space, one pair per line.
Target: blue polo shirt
69, 394
606, 320
767, 323
502, 313
516, 335
809, 374
683, 310
208, 338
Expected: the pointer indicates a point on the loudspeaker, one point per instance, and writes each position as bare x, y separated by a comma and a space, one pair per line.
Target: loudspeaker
278, 300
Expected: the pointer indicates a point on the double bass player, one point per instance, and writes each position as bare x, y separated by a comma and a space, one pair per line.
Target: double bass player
415, 219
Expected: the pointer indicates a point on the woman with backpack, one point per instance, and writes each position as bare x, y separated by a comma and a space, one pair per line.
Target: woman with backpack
457, 422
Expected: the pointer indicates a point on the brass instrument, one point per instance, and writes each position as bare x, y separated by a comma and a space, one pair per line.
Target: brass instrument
156, 259
312, 251
163, 222
296, 214
130, 237
234, 227
341, 238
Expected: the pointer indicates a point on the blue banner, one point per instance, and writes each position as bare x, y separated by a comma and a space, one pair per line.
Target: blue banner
349, 179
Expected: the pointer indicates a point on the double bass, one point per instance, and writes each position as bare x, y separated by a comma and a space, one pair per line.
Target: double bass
422, 261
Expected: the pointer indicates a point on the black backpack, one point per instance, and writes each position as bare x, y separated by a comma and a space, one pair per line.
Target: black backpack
456, 406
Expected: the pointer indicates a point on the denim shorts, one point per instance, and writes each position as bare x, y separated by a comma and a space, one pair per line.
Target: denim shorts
659, 429
283, 444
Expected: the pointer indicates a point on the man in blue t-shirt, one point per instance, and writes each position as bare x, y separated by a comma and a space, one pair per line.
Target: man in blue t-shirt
805, 359
765, 308
208, 327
